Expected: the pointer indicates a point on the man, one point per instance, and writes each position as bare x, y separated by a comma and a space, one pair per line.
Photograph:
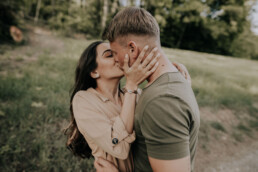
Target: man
167, 116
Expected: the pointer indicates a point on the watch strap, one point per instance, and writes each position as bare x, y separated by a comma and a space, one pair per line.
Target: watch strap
125, 90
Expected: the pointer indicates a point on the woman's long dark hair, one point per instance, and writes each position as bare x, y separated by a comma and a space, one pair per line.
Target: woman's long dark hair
83, 80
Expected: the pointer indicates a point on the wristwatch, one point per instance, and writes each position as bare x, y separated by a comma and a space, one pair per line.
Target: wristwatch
125, 90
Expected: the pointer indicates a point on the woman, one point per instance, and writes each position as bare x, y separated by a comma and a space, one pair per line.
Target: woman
101, 112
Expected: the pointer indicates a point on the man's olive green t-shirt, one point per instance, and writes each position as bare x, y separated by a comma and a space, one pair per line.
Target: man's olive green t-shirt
167, 122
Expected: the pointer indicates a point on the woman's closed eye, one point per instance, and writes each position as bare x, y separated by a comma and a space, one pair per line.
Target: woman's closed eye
108, 53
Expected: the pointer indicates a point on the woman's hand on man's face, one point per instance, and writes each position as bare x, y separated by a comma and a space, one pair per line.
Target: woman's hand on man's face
142, 68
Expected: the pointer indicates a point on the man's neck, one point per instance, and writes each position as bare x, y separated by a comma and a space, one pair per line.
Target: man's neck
165, 66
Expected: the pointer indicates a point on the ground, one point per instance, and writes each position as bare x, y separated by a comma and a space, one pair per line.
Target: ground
225, 87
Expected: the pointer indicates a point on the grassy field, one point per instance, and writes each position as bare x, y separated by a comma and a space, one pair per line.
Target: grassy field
35, 80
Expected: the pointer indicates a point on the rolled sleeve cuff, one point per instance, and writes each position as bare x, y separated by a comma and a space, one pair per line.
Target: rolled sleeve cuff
168, 151
119, 131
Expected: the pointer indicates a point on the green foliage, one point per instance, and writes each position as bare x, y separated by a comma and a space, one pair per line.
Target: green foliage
218, 126
212, 26
12, 88
201, 26
245, 45
34, 111
243, 128
253, 124
9, 15
219, 82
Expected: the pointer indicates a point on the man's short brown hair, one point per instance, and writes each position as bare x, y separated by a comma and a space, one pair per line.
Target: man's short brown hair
131, 20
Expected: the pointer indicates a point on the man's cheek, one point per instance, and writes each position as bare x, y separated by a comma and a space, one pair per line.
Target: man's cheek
121, 60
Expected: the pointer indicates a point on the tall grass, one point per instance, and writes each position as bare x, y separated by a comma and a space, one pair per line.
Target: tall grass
34, 108
220, 81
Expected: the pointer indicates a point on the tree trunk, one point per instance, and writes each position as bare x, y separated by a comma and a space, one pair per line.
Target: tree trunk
181, 37
105, 15
132, 2
81, 5
37, 11
53, 6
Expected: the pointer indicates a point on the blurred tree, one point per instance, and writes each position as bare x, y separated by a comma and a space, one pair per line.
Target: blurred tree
104, 15
213, 26
202, 25
37, 11
9, 15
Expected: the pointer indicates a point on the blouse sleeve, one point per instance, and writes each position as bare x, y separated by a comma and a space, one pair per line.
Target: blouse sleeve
112, 137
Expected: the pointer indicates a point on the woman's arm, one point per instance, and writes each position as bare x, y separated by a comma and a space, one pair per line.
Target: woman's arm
135, 75
96, 126
113, 137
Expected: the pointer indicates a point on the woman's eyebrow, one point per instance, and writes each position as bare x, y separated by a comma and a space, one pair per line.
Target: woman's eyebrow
106, 51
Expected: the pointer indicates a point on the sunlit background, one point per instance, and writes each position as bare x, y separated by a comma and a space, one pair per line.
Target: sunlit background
41, 41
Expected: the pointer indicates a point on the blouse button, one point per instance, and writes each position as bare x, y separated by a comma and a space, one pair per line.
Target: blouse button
114, 141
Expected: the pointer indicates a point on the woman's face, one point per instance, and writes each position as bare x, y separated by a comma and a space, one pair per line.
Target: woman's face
107, 67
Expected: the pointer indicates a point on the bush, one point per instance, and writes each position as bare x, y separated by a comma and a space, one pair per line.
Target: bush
245, 46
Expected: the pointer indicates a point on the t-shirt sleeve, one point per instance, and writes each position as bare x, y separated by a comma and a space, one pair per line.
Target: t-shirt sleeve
165, 127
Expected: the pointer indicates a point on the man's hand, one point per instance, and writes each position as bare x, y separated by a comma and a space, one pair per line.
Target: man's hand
103, 165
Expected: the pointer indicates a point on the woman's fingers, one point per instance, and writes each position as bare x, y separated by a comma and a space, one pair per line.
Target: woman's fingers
141, 55
141, 69
126, 63
187, 75
183, 70
150, 56
152, 70
153, 62
178, 67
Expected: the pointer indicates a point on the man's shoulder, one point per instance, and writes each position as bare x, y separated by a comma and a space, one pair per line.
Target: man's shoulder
163, 101
167, 90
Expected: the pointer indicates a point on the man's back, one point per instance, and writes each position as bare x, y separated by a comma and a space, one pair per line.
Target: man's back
167, 121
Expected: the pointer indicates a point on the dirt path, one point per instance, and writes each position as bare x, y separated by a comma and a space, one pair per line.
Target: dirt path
243, 161
220, 151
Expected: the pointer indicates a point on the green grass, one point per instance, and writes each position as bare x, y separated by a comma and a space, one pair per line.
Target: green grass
218, 126
34, 108
238, 136
31, 136
220, 81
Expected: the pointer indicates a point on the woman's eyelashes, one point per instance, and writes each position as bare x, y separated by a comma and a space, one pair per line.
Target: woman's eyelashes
109, 54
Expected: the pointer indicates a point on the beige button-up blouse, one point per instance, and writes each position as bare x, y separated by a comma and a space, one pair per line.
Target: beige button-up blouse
98, 119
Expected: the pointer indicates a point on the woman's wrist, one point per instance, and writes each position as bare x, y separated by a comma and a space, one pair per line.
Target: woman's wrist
131, 86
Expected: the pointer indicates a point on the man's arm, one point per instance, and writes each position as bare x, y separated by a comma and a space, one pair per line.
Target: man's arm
177, 165
165, 127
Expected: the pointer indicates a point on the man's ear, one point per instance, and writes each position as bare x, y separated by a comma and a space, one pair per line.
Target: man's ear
94, 74
133, 49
